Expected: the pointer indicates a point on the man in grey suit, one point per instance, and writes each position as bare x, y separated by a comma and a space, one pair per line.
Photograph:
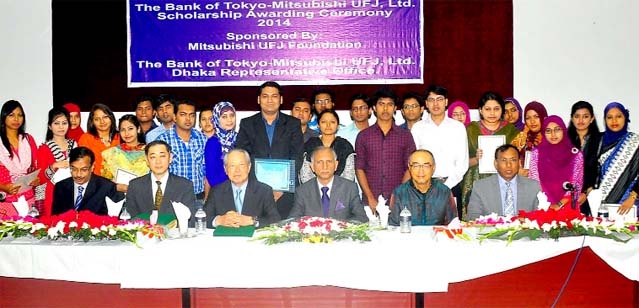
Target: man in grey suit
142, 192
240, 200
328, 195
493, 195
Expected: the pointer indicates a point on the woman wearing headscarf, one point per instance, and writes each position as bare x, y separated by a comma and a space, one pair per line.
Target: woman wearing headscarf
513, 113
584, 134
531, 136
618, 160
459, 111
75, 121
222, 142
556, 161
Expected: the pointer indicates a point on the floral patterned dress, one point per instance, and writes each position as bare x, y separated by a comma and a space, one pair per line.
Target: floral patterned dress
123, 157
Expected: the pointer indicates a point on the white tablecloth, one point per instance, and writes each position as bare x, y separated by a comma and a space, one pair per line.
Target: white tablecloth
234, 262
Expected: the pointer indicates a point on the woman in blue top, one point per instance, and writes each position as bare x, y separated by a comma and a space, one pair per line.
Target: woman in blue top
222, 142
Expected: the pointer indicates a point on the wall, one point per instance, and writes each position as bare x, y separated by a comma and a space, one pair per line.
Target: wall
564, 51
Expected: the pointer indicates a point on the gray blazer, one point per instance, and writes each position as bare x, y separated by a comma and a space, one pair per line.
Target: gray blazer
485, 197
345, 203
140, 198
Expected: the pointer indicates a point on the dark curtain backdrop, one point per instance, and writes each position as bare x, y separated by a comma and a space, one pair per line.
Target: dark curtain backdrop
468, 49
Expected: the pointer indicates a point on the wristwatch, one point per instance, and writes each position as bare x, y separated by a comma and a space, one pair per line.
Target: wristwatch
256, 222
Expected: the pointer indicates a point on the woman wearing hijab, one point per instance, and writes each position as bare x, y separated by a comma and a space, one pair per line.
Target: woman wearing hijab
556, 161
531, 136
75, 121
513, 113
222, 142
618, 160
459, 111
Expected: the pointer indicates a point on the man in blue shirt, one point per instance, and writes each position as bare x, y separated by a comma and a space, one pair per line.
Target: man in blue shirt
187, 146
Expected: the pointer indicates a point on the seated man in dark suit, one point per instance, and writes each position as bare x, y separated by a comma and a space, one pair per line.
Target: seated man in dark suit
328, 195
240, 200
143, 196
504, 193
83, 190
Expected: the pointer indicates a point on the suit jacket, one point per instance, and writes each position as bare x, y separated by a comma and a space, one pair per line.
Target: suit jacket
288, 142
93, 196
141, 200
258, 201
345, 203
485, 197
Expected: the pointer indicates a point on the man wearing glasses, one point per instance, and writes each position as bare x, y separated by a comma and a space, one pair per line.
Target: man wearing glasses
429, 202
360, 113
445, 138
412, 109
382, 151
322, 99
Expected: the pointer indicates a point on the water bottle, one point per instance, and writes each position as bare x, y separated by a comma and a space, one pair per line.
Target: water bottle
602, 212
405, 220
200, 220
33, 211
125, 215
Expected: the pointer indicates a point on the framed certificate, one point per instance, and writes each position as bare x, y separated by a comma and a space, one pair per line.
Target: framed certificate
488, 145
277, 173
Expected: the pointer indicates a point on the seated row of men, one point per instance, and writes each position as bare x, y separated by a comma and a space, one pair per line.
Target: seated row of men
242, 200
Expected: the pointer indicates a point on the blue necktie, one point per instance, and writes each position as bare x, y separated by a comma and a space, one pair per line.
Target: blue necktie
79, 198
238, 201
326, 203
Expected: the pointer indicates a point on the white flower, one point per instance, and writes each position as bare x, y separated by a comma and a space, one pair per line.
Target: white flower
73, 224
95, 231
112, 232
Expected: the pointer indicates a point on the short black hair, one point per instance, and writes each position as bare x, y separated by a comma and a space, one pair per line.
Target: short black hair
144, 98
439, 90
384, 93
410, 95
505, 147
165, 98
361, 96
156, 142
80, 152
271, 84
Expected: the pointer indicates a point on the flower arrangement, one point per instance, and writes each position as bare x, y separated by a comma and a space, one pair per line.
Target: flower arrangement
314, 230
552, 224
83, 225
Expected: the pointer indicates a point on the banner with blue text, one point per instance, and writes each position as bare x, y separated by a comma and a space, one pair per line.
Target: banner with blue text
302, 42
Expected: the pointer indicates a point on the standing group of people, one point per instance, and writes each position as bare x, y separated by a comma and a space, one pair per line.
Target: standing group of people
430, 164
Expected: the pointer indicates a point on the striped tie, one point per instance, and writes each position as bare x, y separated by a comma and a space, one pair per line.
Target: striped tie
158, 195
76, 206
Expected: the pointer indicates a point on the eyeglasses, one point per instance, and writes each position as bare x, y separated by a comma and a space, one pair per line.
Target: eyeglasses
416, 166
507, 160
323, 102
360, 109
556, 130
438, 99
410, 107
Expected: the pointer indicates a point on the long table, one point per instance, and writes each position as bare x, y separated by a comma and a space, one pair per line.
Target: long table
390, 269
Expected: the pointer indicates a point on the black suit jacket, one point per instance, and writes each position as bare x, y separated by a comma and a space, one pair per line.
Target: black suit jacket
288, 142
258, 201
140, 198
93, 196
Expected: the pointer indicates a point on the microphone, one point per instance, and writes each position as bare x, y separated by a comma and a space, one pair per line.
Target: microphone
567, 186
